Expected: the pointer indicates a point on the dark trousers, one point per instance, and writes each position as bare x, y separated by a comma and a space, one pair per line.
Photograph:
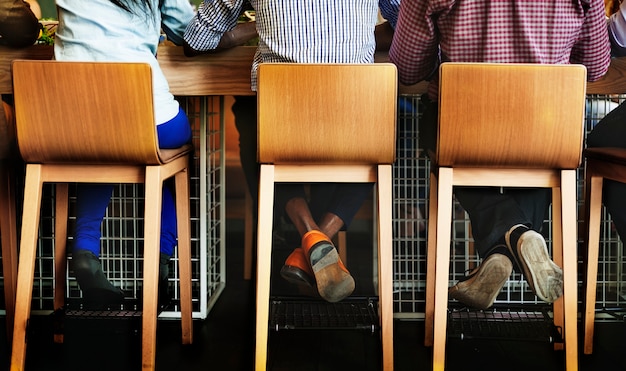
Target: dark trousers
341, 199
611, 132
492, 210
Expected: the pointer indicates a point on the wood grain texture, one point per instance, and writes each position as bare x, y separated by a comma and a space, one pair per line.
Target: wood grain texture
97, 112
511, 115
327, 113
228, 72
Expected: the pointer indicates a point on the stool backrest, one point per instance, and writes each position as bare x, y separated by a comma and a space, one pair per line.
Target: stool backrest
7, 131
511, 115
327, 113
84, 112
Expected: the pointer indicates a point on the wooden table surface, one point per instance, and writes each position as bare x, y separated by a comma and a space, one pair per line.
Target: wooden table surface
228, 72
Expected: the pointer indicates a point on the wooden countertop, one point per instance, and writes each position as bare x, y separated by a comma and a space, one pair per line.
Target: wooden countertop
228, 72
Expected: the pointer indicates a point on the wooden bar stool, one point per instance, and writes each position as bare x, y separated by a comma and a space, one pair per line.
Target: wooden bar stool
326, 123
601, 163
95, 126
506, 125
8, 214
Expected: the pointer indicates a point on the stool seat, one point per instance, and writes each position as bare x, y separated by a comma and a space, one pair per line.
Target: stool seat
610, 155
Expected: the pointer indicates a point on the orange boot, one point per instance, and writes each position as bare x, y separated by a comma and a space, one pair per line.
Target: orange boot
334, 282
297, 270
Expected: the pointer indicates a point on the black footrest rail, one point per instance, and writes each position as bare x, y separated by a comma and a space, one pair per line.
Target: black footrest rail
353, 313
528, 323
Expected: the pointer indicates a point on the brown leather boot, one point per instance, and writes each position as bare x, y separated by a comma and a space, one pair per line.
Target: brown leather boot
334, 282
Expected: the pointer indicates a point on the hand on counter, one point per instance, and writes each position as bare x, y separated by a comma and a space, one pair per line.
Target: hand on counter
238, 36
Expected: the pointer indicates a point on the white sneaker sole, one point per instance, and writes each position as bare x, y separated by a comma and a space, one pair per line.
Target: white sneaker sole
543, 275
481, 290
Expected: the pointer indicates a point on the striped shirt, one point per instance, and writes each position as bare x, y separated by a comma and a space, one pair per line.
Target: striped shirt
297, 31
430, 32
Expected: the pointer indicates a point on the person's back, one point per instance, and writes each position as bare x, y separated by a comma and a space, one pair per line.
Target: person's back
313, 31
558, 31
100, 30
505, 222
310, 31
122, 31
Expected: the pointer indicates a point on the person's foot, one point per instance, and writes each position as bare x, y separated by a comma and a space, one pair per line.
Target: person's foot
165, 297
531, 254
481, 287
297, 270
334, 282
95, 286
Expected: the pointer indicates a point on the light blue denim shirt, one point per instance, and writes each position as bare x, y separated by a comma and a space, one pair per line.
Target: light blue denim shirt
98, 30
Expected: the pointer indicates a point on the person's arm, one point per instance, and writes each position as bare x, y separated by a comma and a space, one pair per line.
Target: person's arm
593, 49
215, 27
18, 25
175, 16
239, 35
617, 31
415, 45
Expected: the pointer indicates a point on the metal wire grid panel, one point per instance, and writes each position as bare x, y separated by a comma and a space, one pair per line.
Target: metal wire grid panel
411, 176
122, 229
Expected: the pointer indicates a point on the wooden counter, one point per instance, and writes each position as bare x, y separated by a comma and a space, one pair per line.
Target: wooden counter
228, 72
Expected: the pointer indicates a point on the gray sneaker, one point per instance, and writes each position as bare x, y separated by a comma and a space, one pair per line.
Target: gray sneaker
481, 287
531, 254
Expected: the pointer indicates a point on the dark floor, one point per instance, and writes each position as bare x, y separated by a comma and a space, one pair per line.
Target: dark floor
224, 341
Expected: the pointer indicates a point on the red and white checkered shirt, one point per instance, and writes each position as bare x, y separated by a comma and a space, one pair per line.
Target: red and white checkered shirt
430, 32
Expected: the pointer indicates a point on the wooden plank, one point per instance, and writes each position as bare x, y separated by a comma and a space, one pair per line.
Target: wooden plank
228, 72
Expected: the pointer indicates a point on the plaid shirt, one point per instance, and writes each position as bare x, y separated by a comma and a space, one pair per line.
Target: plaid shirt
430, 32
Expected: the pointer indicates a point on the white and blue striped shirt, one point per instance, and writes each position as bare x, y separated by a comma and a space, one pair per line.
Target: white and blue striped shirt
297, 31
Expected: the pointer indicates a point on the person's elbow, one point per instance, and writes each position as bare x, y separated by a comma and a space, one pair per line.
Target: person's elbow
189, 51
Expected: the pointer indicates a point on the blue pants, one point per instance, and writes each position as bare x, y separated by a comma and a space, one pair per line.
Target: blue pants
92, 200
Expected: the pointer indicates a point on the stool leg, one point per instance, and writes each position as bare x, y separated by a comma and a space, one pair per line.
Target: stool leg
184, 254
593, 204
264, 262
60, 249
385, 262
570, 260
557, 256
26, 268
8, 227
247, 238
152, 228
430, 261
442, 264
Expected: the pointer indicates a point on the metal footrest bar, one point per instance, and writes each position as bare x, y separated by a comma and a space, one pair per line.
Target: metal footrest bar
353, 313
527, 323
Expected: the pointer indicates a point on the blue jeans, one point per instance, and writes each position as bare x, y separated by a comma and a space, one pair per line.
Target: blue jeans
92, 200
